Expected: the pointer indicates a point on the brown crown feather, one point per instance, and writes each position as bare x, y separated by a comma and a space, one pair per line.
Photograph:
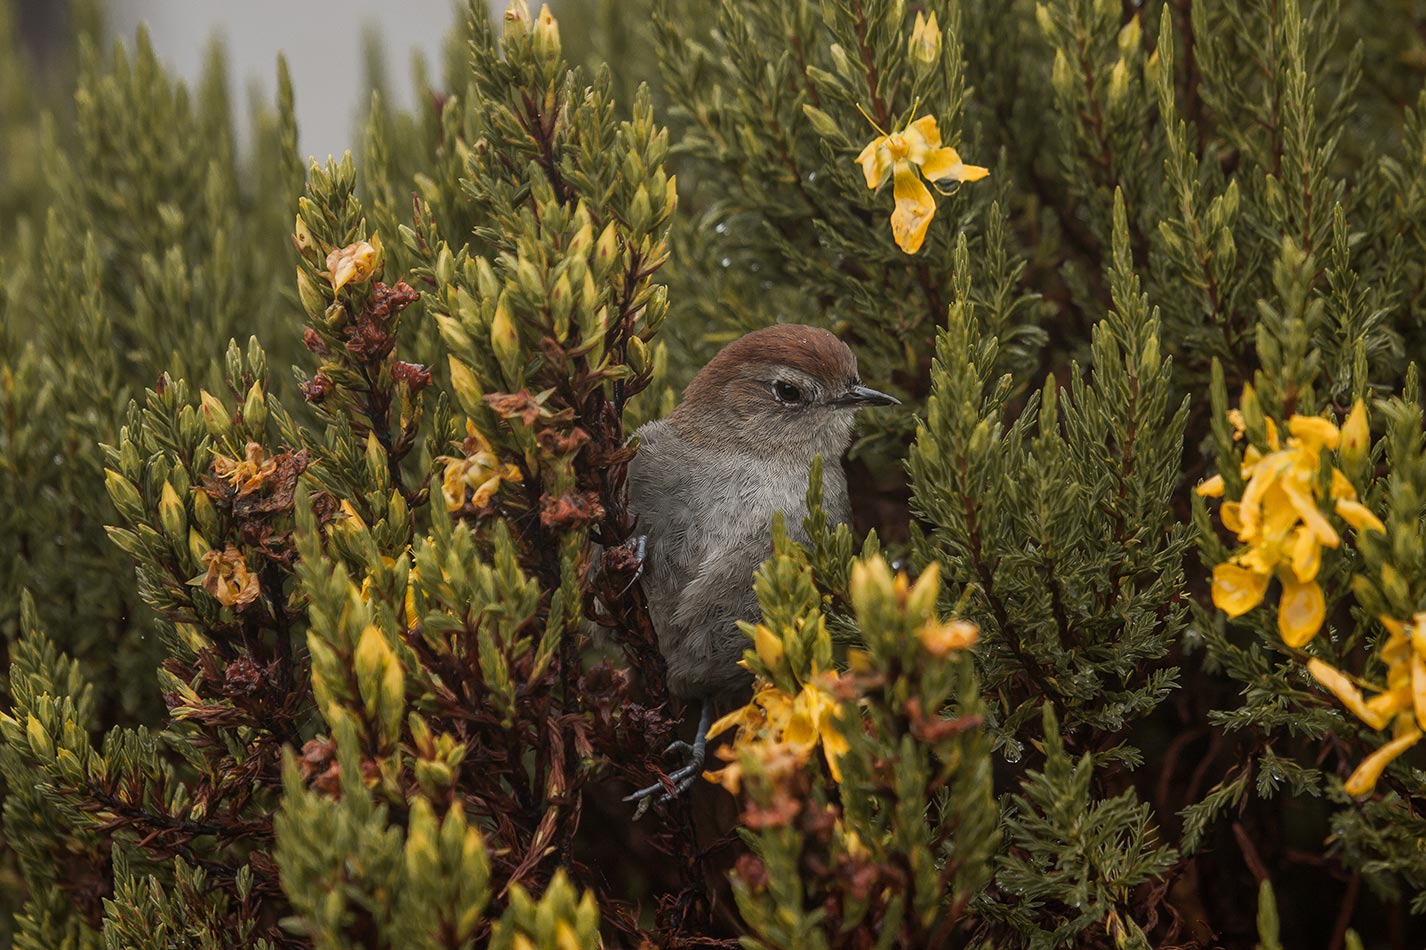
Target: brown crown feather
812, 350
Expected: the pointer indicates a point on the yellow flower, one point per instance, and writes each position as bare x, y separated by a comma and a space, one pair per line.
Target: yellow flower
480, 472
1280, 520
247, 475
942, 639
1401, 701
813, 722
901, 155
228, 578
352, 264
774, 725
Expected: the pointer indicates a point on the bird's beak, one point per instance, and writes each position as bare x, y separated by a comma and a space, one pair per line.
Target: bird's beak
864, 396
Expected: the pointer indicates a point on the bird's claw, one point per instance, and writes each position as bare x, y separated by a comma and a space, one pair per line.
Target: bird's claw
680, 780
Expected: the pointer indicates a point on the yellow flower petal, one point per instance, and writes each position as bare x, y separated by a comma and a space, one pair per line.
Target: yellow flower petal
914, 209
1364, 779
875, 161
944, 164
1311, 515
1384, 706
1418, 687
1358, 515
1211, 488
942, 639
1306, 555
1300, 611
1416, 635
1342, 486
1237, 590
1266, 475
742, 716
940, 163
1231, 514
1347, 693
923, 132
801, 731
1313, 432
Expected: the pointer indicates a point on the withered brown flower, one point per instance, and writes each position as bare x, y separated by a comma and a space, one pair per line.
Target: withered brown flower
414, 375
249, 474
317, 388
228, 578
521, 405
352, 264
571, 510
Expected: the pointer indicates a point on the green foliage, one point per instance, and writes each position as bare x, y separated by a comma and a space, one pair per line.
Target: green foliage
1054, 529
1075, 858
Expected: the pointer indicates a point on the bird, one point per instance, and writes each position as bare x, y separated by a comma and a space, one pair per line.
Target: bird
705, 484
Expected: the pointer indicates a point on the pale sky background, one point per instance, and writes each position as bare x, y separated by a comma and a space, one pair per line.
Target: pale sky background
323, 43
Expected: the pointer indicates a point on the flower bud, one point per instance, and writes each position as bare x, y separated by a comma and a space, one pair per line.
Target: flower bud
204, 514
638, 356
1044, 20
925, 45
506, 343
1130, 37
124, 496
822, 123
921, 599
517, 21
172, 516
445, 269
560, 300
41, 744
312, 299
769, 646
640, 211
1355, 440
547, 36
302, 237
198, 546
466, 385
1061, 76
606, 251
255, 408
1118, 85
215, 415
584, 237
979, 438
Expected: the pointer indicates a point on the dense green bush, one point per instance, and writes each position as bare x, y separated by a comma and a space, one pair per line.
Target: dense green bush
314, 659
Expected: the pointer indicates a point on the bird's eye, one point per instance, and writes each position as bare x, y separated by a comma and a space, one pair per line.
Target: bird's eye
786, 392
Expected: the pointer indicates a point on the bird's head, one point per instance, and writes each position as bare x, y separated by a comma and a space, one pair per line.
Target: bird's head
786, 390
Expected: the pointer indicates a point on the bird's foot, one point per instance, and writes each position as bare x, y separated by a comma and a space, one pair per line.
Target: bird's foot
628, 558
681, 779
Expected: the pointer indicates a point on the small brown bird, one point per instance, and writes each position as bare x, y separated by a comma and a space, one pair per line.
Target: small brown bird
706, 483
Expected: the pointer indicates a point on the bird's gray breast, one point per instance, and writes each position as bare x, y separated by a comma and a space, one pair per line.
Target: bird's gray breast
708, 516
